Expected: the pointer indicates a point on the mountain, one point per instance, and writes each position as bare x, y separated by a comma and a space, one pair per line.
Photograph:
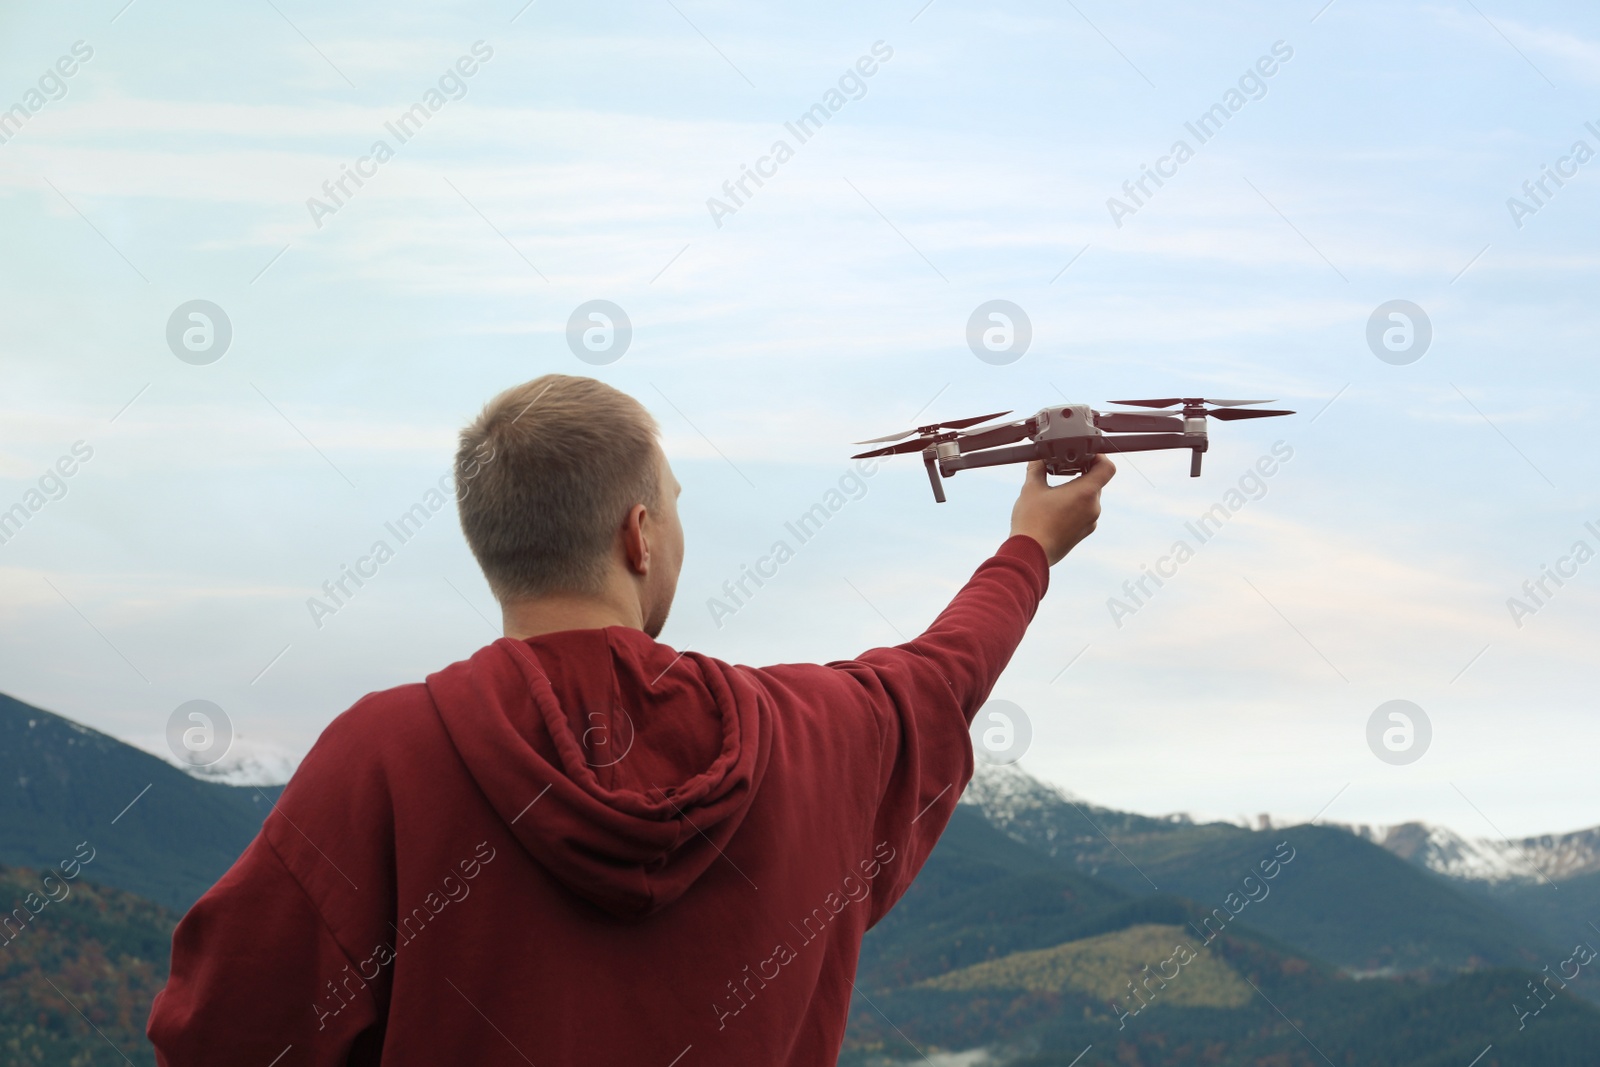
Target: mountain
155, 830
987, 896
127, 843
1549, 884
1100, 965
89, 954
1013, 799
1543, 859
1566, 912
1344, 898
1009, 952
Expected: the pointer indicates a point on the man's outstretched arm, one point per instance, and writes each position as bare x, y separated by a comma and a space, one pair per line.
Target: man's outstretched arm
972, 640
932, 686
918, 699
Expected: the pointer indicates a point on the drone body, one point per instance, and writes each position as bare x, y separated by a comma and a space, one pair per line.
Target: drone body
1066, 437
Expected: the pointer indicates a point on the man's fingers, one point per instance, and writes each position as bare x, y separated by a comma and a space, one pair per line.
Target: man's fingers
1100, 471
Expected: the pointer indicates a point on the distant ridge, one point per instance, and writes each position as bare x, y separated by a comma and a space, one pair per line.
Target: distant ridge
1531, 859
156, 830
1003, 955
1010, 797
1346, 899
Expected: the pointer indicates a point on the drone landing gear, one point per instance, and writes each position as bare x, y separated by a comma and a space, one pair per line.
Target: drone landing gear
1194, 463
930, 459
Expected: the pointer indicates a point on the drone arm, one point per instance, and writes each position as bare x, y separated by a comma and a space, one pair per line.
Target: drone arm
1142, 442
1085, 446
992, 457
1023, 453
1152, 441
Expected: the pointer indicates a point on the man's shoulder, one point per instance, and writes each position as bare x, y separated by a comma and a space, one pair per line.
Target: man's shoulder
396, 707
825, 692
381, 725
345, 789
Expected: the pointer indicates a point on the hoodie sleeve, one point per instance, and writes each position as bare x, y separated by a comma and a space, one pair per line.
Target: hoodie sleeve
927, 692
251, 964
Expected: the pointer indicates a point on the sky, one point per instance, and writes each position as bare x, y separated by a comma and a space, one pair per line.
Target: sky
1365, 153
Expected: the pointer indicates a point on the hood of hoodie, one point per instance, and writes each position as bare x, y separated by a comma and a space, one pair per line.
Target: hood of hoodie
621, 765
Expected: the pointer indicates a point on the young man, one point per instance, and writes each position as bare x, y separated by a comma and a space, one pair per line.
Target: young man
580, 846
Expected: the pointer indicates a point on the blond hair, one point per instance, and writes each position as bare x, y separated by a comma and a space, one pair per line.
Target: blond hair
545, 476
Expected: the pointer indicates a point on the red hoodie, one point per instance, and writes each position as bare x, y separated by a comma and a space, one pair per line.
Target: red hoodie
587, 848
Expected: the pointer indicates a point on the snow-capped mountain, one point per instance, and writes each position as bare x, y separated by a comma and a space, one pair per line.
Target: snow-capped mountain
262, 767
247, 762
1035, 812
1548, 857
1006, 793
1051, 818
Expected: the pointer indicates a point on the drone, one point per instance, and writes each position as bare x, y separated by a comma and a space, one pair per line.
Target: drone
1068, 437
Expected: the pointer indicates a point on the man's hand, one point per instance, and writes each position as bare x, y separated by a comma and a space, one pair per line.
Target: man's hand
1058, 517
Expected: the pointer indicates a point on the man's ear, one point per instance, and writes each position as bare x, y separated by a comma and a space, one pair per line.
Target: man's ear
635, 541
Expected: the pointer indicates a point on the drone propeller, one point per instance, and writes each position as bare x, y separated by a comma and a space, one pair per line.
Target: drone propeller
1004, 434
1173, 401
1229, 414
1229, 410
957, 424
894, 450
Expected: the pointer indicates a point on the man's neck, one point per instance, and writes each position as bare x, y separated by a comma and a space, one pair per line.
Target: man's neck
552, 614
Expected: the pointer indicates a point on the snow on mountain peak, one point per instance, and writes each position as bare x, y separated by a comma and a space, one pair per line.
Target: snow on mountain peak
1547, 857
1031, 811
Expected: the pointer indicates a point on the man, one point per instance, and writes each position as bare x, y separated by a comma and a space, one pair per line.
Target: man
580, 846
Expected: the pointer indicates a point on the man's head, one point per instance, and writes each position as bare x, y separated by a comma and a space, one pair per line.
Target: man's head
564, 492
